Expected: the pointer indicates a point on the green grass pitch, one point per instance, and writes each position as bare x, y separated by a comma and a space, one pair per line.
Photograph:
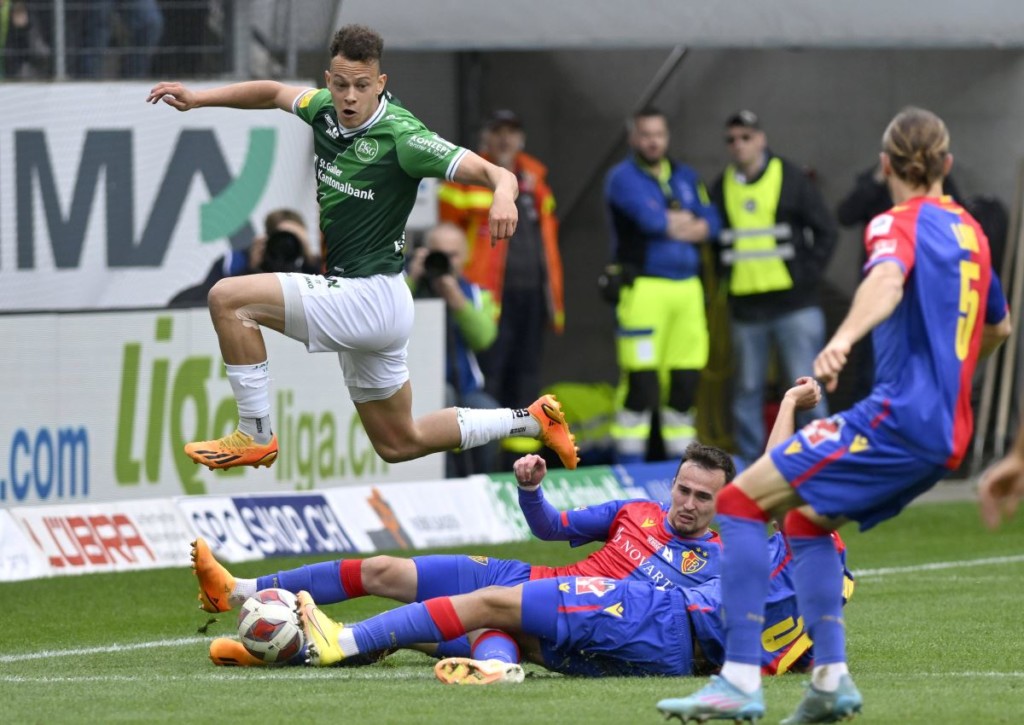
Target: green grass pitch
927, 644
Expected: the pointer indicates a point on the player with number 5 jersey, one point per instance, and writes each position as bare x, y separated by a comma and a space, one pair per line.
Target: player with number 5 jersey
369, 157
935, 308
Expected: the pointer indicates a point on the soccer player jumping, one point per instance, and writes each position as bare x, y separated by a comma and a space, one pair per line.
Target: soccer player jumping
370, 154
934, 309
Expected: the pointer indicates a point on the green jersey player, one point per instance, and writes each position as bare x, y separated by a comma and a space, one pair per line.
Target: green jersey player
370, 154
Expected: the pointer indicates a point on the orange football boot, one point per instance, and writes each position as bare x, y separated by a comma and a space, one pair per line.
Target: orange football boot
554, 431
215, 582
235, 449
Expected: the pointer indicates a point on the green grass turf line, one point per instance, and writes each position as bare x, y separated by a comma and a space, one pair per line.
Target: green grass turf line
925, 647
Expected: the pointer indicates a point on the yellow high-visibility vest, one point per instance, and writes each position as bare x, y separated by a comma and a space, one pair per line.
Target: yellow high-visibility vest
755, 247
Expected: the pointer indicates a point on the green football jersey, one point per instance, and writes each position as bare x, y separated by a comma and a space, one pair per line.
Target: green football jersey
367, 180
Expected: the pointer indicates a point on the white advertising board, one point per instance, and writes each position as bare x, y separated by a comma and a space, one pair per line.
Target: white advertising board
112, 536
422, 515
19, 557
112, 202
97, 407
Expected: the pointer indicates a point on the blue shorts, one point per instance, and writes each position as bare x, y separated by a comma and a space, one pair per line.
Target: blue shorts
443, 575
843, 467
597, 627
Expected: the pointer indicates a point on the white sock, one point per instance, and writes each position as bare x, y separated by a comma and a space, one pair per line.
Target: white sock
347, 642
251, 386
826, 677
746, 678
482, 425
244, 588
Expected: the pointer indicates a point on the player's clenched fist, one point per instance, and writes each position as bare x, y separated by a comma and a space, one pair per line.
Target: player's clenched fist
175, 95
805, 393
530, 471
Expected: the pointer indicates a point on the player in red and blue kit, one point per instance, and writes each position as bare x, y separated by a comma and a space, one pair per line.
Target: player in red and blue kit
668, 545
935, 308
584, 626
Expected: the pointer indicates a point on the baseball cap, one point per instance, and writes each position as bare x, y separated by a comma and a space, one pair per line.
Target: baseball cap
504, 117
745, 118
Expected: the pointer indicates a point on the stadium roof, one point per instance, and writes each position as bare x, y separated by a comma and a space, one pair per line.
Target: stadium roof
539, 24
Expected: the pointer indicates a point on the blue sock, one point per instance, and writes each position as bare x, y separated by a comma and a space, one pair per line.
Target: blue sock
453, 648
818, 579
409, 624
745, 571
321, 580
496, 645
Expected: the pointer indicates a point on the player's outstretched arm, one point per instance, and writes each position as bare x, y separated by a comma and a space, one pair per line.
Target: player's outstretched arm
247, 95
1002, 487
876, 298
804, 395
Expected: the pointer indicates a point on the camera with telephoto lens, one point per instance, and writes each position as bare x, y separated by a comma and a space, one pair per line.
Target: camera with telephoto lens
283, 253
436, 264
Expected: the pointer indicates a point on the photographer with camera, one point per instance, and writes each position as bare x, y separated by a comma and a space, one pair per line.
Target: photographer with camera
283, 247
435, 271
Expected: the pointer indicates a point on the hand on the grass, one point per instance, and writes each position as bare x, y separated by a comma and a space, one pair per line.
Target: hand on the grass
530, 471
805, 394
1000, 490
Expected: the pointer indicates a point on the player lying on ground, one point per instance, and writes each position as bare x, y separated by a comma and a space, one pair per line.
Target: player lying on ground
584, 626
669, 545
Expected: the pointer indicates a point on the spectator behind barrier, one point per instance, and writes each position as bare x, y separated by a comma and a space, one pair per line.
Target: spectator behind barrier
774, 251
91, 33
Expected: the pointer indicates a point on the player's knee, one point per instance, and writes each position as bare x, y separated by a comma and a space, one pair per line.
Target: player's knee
219, 297
642, 390
377, 573
498, 599
392, 451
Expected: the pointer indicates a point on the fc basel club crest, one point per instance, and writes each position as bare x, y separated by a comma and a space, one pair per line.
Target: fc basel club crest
594, 585
693, 561
820, 431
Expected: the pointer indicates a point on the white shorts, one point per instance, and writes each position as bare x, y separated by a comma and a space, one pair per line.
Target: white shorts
366, 320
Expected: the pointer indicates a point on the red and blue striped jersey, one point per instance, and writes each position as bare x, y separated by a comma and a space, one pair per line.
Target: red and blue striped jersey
639, 544
927, 350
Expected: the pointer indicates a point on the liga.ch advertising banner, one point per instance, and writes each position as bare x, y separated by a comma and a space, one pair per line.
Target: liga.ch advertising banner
98, 406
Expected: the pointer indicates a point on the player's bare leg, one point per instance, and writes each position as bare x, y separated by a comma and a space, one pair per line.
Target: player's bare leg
238, 307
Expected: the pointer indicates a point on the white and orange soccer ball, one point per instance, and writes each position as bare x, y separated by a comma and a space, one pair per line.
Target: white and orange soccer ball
268, 626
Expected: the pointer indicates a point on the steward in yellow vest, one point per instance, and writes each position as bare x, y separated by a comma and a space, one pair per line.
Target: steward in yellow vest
776, 242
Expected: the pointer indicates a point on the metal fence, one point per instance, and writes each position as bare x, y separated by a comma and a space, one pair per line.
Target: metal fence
124, 39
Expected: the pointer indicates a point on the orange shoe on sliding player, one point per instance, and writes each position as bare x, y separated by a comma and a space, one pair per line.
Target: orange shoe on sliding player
554, 431
235, 449
215, 582
466, 671
227, 652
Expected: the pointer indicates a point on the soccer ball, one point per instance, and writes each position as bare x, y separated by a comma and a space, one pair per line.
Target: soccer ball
268, 626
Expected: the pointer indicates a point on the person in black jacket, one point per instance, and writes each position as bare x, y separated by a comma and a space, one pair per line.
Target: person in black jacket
777, 241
